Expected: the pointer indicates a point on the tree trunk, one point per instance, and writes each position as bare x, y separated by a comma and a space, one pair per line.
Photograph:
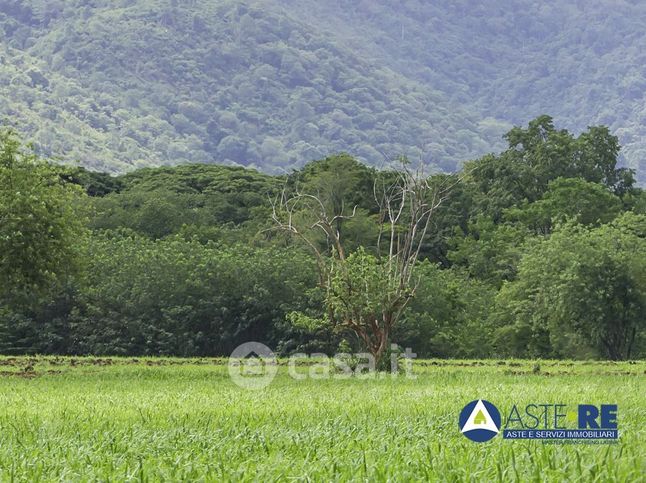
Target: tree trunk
380, 345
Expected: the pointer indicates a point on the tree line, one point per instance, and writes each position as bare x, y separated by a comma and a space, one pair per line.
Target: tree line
539, 251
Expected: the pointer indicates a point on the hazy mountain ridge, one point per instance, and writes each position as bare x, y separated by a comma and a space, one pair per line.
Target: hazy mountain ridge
581, 62
233, 83
276, 83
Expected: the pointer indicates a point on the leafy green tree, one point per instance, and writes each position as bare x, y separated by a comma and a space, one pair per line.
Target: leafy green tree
365, 294
489, 252
539, 154
42, 223
95, 183
568, 198
342, 184
452, 219
185, 297
224, 201
366, 297
590, 281
448, 316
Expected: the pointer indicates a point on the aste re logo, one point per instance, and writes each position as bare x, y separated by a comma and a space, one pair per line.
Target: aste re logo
480, 421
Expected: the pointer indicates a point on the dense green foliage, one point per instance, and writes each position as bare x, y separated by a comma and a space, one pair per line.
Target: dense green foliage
509, 60
277, 83
588, 283
41, 223
135, 84
536, 252
118, 419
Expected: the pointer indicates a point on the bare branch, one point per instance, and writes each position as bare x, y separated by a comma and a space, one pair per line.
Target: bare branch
407, 202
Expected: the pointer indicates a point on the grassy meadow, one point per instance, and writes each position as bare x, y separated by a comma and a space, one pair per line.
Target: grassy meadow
118, 419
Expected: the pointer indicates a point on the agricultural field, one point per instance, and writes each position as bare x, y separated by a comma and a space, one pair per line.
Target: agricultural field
118, 419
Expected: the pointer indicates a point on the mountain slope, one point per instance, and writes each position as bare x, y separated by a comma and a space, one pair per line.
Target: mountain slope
152, 83
276, 83
583, 62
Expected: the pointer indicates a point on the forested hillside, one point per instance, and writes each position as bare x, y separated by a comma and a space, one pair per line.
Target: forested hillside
276, 83
158, 82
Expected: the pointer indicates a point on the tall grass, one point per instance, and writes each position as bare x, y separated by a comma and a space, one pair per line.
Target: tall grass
178, 420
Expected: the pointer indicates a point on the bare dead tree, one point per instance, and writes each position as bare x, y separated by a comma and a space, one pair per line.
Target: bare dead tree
368, 300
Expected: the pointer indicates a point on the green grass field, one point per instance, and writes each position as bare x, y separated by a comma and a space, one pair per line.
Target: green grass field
115, 419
